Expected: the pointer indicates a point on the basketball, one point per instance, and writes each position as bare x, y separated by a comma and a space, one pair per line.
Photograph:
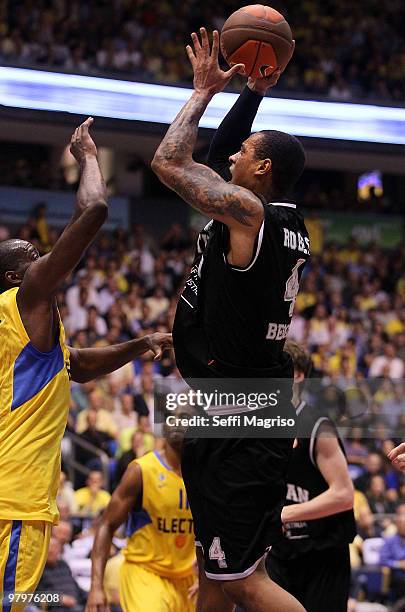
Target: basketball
259, 37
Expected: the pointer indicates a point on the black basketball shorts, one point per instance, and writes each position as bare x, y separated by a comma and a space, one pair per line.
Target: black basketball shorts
319, 579
236, 490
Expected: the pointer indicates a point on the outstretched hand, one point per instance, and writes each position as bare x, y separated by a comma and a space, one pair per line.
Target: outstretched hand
81, 143
208, 76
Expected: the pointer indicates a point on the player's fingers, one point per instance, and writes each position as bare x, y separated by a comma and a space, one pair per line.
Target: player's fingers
86, 124
215, 44
158, 355
237, 68
196, 43
398, 450
399, 462
205, 41
191, 55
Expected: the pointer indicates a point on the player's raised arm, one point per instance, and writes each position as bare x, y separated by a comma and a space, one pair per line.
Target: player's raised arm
126, 496
45, 275
198, 185
237, 124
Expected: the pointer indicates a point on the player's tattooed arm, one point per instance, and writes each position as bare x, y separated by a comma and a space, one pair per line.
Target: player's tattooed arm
173, 162
208, 193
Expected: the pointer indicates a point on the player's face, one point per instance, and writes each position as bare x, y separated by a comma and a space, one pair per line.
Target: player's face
245, 167
243, 164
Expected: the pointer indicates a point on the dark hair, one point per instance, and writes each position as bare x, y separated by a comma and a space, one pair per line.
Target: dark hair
287, 156
13, 254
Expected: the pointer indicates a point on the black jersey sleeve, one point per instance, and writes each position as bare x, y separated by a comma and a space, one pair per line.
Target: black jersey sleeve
233, 130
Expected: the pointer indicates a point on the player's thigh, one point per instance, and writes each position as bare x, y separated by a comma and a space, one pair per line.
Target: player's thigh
210, 594
141, 589
23, 552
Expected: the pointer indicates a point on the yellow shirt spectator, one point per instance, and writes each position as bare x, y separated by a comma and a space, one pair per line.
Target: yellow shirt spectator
105, 422
395, 326
92, 499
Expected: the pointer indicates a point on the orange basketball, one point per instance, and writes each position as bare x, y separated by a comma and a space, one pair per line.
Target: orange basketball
259, 37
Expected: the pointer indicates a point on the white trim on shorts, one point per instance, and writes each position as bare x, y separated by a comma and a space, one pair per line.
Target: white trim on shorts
240, 575
198, 543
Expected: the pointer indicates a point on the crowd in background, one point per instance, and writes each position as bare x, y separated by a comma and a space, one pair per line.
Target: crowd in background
344, 51
350, 314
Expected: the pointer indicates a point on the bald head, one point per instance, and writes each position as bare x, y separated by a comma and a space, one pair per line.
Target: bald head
15, 257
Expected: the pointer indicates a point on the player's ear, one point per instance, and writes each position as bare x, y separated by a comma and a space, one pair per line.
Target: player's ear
264, 167
298, 376
13, 278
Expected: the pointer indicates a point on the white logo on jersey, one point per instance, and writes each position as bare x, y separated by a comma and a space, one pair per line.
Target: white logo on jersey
292, 285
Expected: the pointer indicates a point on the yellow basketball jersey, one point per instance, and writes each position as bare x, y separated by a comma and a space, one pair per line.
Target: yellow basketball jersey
34, 388
160, 535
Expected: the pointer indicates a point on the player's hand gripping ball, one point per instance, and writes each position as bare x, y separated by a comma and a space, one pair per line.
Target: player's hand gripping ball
260, 38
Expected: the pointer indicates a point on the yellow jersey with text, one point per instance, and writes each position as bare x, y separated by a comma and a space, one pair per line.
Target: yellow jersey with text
160, 535
34, 392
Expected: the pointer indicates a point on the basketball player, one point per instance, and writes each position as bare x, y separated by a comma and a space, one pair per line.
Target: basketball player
231, 322
35, 366
312, 560
157, 573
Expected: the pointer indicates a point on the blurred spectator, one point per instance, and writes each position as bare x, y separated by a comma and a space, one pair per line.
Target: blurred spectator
125, 415
104, 421
57, 578
387, 364
138, 449
66, 496
393, 554
92, 498
377, 496
100, 439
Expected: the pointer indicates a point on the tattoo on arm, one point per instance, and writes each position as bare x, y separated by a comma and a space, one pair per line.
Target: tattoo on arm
178, 144
198, 185
212, 196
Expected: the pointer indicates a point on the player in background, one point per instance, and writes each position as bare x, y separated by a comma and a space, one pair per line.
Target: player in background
157, 573
312, 560
35, 367
231, 321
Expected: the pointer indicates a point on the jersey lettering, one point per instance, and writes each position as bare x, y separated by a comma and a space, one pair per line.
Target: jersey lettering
292, 240
277, 331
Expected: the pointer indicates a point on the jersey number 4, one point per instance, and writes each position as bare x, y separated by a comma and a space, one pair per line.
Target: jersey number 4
292, 285
216, 553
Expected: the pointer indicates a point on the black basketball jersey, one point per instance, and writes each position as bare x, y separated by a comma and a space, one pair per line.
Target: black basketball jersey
304, 482
233, 317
